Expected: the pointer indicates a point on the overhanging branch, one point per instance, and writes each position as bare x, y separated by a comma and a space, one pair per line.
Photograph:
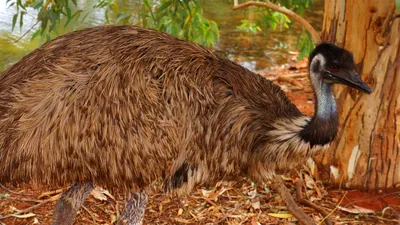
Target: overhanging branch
314, 34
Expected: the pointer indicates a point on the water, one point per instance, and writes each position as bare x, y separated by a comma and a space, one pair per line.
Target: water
254, 51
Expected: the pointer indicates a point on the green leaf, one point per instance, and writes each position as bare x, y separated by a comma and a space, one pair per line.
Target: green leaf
106, 16
44, 23
14, 21
69, 16
84, 17
35, 34
19, 3
164, 6
21, 19
37, 4
122, 16
53, 19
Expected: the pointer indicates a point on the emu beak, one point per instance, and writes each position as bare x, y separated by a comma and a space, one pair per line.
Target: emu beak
350, 78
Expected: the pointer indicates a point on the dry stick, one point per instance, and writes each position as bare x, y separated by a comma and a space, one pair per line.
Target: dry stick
289, 75
314, 34
90, 213
50, 193
29, 30
25, 199
27, 209
291, 81
14, 192
290, 203
337, 206
301, 200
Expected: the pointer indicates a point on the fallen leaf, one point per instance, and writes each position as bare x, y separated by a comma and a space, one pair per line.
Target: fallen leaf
206, 193
281, 215
101, 194
252, 193
24, 215
309, 181
96, 193
35, 221
12, 208
180, 211
356, 210
367, 200
286, 178
113, 218
256, 204
106, 192
4, 195
313, 199
179, 220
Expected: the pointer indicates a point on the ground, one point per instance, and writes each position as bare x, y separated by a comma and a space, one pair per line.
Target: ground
242, 202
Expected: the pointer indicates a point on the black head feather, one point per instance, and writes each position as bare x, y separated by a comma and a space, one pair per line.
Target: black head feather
333, 55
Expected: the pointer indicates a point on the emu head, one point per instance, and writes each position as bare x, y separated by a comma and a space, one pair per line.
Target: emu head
331, 64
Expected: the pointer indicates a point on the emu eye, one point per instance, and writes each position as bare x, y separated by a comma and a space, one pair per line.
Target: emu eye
333, 68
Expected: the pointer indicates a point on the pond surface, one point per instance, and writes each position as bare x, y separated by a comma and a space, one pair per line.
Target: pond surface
254, 51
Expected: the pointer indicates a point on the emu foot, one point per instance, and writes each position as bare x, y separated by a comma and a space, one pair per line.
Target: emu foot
291, 205
70, 202
301, 200
134, 210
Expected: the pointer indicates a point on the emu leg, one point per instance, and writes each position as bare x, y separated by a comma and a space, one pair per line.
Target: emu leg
291, 205
301, 200
70, 201
134, 210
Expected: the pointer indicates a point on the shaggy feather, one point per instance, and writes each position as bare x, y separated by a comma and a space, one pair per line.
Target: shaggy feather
121, 106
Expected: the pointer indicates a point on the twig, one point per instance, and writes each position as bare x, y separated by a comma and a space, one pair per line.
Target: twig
19, 212
290, 203
337, 206
25, 199
301, 200
23, 35
289, 75
50, 193
291, 81
90, 213
208, 201
14, 192
314, 34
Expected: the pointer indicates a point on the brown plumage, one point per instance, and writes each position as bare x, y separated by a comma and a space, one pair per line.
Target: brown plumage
122, 106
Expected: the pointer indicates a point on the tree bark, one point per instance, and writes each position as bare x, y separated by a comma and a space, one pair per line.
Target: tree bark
366, 153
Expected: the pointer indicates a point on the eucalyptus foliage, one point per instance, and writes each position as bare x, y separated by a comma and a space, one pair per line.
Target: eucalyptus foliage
181, 18
264, 19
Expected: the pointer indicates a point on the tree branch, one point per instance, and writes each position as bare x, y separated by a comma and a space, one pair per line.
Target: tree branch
291, 205
314, 34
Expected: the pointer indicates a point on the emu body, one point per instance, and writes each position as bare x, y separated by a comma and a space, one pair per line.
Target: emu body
122, 106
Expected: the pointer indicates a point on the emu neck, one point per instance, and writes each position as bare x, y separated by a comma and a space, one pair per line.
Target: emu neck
322, 128
325, 103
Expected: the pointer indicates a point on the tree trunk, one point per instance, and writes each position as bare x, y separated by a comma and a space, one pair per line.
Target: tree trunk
366, 153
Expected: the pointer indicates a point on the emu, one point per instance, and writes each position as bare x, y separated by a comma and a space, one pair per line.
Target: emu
122, 106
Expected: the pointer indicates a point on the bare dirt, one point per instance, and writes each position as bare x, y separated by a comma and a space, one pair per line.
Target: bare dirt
242, 202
